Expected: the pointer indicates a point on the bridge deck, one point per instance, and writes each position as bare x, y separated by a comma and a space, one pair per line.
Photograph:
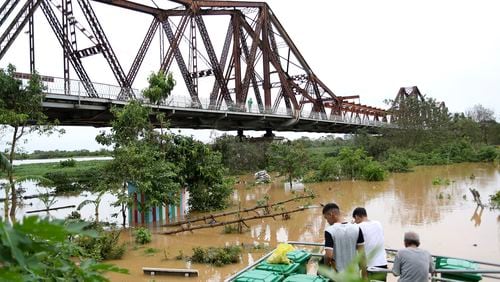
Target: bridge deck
86, 111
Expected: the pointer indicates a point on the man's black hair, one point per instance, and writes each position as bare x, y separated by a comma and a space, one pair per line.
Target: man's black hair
329, 207
359, 211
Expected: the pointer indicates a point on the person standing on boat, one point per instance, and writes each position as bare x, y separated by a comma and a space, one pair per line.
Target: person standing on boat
412, 263
373, 234
342, 240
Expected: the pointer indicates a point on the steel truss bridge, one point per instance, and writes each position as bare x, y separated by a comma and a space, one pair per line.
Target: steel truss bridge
256, 60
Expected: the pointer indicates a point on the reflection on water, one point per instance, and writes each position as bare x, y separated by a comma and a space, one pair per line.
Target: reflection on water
440, 214
476, 217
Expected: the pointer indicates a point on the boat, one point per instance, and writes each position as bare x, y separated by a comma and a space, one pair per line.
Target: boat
446, 268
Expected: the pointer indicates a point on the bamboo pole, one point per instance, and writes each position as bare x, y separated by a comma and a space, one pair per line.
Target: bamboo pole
223, 223
52, 209
213, 216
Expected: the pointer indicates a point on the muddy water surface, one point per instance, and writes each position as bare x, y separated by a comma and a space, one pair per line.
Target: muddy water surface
444, 215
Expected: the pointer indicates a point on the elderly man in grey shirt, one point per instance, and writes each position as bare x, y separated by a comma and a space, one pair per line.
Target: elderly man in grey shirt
412, 263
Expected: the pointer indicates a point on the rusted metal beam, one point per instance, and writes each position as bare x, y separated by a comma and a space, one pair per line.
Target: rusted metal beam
266, 52
139, 57
132, 6
237, 57
228, 4
213, 60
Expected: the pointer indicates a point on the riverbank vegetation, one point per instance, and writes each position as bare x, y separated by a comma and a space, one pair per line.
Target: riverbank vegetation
61, 154
425, 134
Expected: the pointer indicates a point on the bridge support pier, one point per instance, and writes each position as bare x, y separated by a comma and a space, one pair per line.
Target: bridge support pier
269, 133
240, 134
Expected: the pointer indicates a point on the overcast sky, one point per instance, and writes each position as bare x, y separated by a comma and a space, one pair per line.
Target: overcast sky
449, 49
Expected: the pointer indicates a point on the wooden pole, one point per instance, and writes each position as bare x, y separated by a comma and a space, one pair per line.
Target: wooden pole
52, 209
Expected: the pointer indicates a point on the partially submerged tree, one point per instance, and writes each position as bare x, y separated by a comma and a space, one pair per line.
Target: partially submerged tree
288, 159
21, 110
160, 163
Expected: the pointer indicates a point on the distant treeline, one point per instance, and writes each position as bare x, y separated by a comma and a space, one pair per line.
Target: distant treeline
37, 154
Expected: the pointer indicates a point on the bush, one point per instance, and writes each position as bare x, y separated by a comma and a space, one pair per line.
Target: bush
68, 163
398, 162
330, 169
495, 200
440, 181
142, 236
487, 154
216, 256
373, 171
103, 247
75, 180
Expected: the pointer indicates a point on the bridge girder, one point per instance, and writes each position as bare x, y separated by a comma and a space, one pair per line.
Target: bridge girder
258, 59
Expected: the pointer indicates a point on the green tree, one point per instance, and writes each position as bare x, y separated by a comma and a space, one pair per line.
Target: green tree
485, 117
288, 159
241, 155
21, 110
137, 158
160, 163
160, 87
201, 171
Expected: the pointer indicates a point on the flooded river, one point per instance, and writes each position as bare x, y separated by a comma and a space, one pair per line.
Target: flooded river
444, 215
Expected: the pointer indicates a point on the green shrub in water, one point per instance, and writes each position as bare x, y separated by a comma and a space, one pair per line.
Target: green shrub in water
487, 154
398, 162
495, 200
216, 255
142, 235
440, 181
103, 247
373, 171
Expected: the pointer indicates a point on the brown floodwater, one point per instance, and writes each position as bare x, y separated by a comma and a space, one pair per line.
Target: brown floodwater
444, 215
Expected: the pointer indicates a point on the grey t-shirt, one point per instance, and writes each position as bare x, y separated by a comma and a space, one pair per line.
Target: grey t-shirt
413, 264
343, 238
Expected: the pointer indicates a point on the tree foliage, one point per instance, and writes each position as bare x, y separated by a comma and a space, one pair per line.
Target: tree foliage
201, 171
242, 155
39, 250
160, 87
21, 110
160, 163
288, 159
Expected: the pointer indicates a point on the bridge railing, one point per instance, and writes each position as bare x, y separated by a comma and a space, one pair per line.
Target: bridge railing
55, 85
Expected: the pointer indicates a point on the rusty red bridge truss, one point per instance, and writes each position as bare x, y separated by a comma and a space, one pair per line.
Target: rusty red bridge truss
246, 55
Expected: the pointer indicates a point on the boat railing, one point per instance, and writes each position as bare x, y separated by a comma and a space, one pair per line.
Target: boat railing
492, 268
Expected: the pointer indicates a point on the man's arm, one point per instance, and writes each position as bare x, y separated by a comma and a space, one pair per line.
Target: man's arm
329, 258
396, 267
431, 264
360, 247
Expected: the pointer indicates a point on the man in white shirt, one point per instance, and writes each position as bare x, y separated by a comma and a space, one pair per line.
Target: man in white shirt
373, 234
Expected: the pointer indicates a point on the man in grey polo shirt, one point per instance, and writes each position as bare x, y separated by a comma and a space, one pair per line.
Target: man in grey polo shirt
412, 263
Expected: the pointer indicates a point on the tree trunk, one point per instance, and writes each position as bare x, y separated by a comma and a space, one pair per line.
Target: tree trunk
11, 174
212, 217
239, 221
124, 214
290, 180
97, 212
